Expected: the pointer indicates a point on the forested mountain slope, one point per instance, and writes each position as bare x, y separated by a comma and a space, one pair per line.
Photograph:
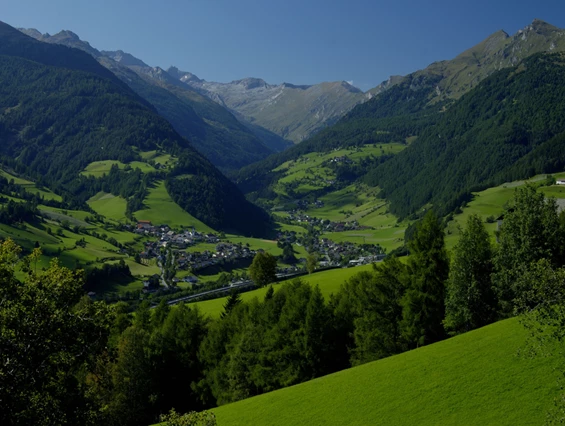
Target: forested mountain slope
511, 126
212, 129
61, 110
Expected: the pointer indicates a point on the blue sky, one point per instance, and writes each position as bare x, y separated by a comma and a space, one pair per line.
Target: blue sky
301, 42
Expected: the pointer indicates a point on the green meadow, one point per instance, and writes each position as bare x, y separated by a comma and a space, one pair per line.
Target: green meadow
491, 202
311, 172
329, 282
474, 379
161, 209
101, 168
109, 205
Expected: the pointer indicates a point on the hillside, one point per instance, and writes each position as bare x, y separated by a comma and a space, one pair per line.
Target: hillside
212, 130
509, 127
473, 379
62, 111
394, 116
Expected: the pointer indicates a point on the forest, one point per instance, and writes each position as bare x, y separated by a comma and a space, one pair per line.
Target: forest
67, 359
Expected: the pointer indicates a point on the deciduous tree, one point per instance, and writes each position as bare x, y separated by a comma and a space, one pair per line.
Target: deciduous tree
263, 269
471, 301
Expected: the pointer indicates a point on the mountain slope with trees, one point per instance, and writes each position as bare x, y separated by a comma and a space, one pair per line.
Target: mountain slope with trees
495, 133
61, 111
211, 128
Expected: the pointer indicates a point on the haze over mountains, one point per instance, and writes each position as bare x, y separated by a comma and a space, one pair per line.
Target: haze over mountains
291, 111
273, 116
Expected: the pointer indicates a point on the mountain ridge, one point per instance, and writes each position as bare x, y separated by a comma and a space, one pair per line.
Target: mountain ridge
215, 132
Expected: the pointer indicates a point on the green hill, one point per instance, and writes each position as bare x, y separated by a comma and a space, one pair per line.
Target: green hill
473, 379
61, 111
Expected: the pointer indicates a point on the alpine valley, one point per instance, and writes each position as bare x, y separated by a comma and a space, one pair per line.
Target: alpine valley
174, 249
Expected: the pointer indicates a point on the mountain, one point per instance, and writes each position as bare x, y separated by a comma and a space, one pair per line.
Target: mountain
484, 148
292, 112
459, 75
62, 110
511, 126
213, 130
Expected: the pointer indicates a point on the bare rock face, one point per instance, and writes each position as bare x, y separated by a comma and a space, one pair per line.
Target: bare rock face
124, 58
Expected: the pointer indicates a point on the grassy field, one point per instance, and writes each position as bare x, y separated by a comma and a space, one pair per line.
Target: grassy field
328, 281
361, 203
100, 168
473, 379
162, 210
17, 180
30, 186
109, 205
311, 171
490, 203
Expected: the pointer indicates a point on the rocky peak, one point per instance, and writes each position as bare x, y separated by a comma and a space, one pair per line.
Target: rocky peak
32, 32
124, 58
251, 83
66, 34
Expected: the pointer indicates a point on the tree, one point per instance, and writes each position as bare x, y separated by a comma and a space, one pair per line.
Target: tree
204, 418
311, 262
288, 254
471, 302
263, 269
377, 304
269, 294
531, 231
234, 299
49, 333
428, 269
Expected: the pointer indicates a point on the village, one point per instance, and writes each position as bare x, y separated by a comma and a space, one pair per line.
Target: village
168, 242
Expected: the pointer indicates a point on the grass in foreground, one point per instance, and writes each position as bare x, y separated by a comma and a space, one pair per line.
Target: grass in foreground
473, 379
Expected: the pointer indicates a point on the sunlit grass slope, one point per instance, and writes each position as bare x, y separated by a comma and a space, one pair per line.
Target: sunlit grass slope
473, 379
162, 210
328, 281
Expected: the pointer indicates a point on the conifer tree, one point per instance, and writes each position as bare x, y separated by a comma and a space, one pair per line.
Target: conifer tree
234, 299
428, 269
531, 231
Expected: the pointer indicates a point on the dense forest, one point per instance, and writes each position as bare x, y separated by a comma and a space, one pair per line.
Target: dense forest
58, 119
509, 127
68, 360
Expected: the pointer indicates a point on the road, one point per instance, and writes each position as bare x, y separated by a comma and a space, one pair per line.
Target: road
240, 284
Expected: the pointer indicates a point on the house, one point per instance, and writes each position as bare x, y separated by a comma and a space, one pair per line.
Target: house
143, 224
